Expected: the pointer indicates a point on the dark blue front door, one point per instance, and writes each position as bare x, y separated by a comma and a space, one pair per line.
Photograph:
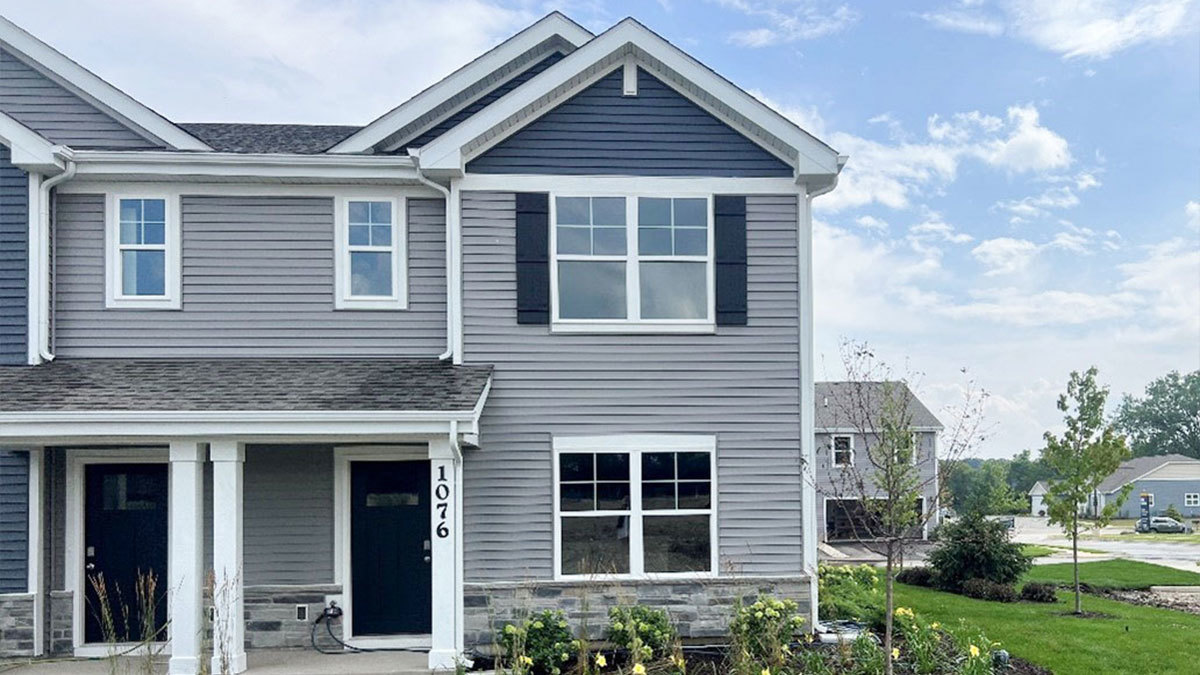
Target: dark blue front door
390, 556
125, 535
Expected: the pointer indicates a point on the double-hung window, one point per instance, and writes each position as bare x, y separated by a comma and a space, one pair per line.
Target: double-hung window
1191, 499
843, 451
631, 506
143, 256
632, 263
370, 265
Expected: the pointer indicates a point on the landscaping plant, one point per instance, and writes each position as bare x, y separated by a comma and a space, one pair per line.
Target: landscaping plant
646, 632
974, 547
1038, 592
761, 634
916, 576
1088, 452
850, 592
540, 645
983, 589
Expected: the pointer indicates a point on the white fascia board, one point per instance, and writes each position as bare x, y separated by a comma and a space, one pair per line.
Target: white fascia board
30, 150
445, 153
95, 88
112, 163
554, 24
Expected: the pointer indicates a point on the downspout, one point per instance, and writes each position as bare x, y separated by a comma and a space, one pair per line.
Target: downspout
46, 241
425, 180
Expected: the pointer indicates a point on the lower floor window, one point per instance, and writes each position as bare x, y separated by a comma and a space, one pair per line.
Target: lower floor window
629, 506
1191, 499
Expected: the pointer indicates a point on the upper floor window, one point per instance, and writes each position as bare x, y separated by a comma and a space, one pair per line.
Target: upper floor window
632, 263
371, 254
143, 252
843, 451
1191, 499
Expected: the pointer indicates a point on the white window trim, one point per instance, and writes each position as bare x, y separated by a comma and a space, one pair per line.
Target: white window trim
634, 445
172, 245
342, 297
833, 451
633, 323
1191, 499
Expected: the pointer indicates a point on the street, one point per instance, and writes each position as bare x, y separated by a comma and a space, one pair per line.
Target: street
1034, 530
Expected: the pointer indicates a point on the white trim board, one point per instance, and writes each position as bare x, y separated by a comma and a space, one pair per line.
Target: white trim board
28, 149
553, 24
95, 90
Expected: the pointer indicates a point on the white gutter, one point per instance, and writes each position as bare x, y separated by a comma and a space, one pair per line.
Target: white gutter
46, 253
450, 281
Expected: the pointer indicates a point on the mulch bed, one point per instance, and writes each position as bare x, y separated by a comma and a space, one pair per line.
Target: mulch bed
1023, 667
1182, 602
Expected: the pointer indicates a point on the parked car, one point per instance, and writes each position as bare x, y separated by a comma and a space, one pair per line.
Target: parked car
1163, 524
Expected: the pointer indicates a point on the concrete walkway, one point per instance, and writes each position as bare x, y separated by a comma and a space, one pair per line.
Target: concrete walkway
262, 662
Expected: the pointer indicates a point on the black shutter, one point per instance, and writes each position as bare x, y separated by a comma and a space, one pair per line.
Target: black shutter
533, 257
729, 223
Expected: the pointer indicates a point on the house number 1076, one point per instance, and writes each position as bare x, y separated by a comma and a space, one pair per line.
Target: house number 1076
441, 493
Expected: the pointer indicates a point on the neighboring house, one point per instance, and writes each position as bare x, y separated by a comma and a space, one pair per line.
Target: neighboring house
1167, 479
543, 331
1037, 498
844, 432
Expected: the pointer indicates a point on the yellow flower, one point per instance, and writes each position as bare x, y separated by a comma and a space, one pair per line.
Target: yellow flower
601, 661
525, 661
765, 671
903, 611
639, 669
935, 625
974, 651
895, 653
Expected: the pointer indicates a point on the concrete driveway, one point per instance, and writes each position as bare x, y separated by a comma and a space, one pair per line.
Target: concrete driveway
1034, 530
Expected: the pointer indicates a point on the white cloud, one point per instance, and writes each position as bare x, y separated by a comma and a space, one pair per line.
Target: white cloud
1093, 29
807, 117
1169, 278
1192, 209
789, 21
872, 223
1030, 146
271, 60
1005, 255
1018, 307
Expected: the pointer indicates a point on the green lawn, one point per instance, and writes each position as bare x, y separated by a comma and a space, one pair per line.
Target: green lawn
1037, 550
1114, 574
1135, 640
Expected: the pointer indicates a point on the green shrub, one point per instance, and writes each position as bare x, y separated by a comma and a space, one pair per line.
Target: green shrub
641, 629
846, 592
974, 547
540, 645
1038, 592
761, 634
915, 576
1173, 512
983, 589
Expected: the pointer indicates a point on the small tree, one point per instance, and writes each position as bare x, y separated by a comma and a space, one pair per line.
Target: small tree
1089, 451
886, 478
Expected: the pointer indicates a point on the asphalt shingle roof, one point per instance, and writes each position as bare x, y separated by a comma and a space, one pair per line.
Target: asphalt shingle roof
838, 403
1131, 469
298, 139
230, 384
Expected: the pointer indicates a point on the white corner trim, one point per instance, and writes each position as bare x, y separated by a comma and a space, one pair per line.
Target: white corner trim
399, 255
114, 297
808, 439
445, 153
35, 546
33, 334
554, 24
125, 107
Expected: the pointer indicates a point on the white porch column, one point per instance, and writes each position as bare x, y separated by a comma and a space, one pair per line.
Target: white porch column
185, 550
35, 566
229, 623
446, 640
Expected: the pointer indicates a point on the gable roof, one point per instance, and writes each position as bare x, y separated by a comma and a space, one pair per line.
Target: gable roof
1136, 468
554, 26
299, 139
833, 397
812, 159
1039, 488
95, 90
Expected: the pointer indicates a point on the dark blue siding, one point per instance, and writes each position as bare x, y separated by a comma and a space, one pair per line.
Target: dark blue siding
14, 261
484, 101
14, 521
659, 132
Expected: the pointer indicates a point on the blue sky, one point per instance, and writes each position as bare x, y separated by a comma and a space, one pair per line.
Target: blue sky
1023, 192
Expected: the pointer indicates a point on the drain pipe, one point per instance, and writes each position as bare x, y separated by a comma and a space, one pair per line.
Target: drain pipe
46, 241
425, 180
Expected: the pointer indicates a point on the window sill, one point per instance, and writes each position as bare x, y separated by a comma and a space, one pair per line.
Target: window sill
641, 327
143, 303
649, 577
371, 305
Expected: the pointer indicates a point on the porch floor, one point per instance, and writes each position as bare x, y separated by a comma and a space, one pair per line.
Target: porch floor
262, 662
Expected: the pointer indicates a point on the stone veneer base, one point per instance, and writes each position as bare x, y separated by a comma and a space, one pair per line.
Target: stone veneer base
16, 624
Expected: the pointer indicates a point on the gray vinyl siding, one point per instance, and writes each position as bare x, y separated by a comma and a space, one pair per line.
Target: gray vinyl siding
838, 483
14, 261
741, 384
288, 518
257, 280
1166, 493
659, 132
60, 115
14, 521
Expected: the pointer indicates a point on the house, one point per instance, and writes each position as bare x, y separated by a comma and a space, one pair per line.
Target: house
541, 332
1037, 498
1168, 480
848, 416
